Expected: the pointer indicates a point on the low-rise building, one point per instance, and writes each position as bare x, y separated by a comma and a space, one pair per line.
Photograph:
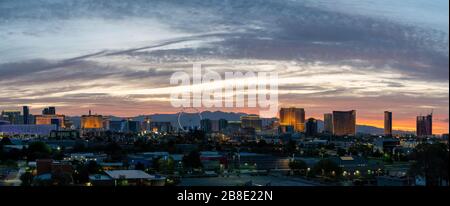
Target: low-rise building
355, 165
254, 161
100, 180
213, 161
86, 157
386, 145
26, 130
135, 177
50, 166
395, 178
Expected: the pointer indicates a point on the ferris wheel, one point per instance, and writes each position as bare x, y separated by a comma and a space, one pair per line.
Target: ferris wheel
188, 115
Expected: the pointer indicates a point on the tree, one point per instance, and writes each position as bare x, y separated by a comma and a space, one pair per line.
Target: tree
195, 136
291, 147
171, 147
5, 141
298, 166
114, 151
93, 167
13, 154
26, 178
37, 150
82, 171
330, 146
431, 162
327, 168
377, 154
341, 152
139, 166
192, 160
360, 149
155, 163
79, 147
388, 158
62, 179
166, 166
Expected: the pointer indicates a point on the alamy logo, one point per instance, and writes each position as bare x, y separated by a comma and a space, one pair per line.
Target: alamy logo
235, 90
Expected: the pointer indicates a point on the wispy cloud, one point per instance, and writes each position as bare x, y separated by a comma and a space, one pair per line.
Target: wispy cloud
113, 54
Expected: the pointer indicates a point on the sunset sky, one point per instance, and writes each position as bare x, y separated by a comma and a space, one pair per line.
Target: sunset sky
116, 57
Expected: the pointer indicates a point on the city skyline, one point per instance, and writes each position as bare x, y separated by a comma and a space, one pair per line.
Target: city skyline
241, 94
41, 114
116, 59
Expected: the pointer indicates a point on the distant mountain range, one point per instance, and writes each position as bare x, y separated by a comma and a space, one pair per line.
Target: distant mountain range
193, 119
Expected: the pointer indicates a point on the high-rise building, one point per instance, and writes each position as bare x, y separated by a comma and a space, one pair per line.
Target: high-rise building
285, 129
56, 122
328, 123
125, 126
251, 121
215, 126
161, 126
26, 115
12, 116
387, 123
233, 127
424, 125
91, 121
133, 126
49, 111
146, 124
311, 127
344, 123
50, 119
294, 117
223, 124
116, 126
206, 125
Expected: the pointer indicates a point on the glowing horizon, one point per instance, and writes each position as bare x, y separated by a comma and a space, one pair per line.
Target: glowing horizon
117, 59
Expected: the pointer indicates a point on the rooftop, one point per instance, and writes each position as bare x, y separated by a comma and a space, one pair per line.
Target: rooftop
128, 174
98, 177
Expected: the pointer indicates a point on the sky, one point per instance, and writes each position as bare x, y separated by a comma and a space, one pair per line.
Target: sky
116, 57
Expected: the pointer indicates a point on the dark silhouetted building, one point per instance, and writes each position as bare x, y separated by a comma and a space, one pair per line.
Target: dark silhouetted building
116, 126
206, 125
26, 115
49, 111
161, 126
344, 123
424, 125
311, 127
233, 127
56, 122
328, 123
125, 126
12, 116
134, 126
223, 124
387, 123
251, 121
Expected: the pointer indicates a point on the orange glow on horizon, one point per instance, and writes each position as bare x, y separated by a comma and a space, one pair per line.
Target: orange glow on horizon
404, 124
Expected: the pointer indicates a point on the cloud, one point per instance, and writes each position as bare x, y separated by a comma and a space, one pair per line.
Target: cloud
111, 53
